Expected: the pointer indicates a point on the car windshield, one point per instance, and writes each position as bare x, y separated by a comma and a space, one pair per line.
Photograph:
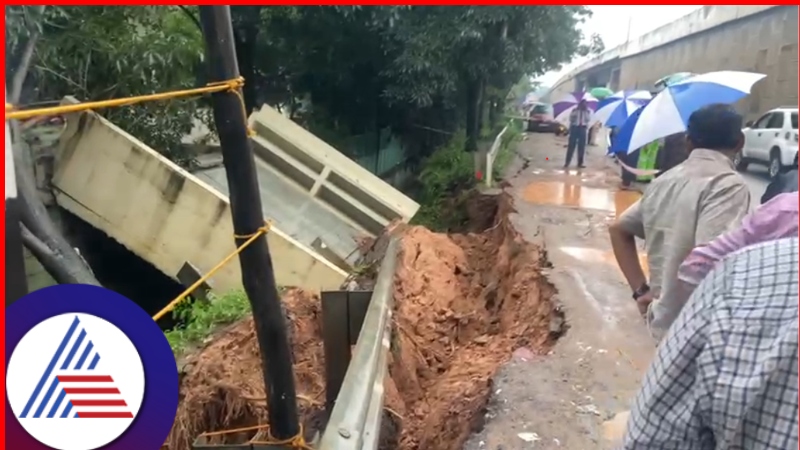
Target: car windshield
539, 109
794, 121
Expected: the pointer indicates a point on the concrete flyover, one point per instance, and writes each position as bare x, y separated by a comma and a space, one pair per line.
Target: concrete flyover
751, 38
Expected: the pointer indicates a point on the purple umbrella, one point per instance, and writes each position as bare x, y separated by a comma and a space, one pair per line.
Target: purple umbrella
563, 107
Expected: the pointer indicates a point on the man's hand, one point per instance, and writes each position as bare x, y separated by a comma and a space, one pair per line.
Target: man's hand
643, 303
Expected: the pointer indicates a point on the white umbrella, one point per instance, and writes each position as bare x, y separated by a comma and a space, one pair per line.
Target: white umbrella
668, 113
614, 110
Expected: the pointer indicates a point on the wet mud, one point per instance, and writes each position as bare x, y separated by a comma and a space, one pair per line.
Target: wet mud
222, 387
464, 302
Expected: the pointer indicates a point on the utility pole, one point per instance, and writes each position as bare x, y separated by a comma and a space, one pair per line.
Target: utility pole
16, 281
257, 274
628, 35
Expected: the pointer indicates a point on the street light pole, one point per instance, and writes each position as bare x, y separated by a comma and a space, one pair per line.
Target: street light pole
257, 274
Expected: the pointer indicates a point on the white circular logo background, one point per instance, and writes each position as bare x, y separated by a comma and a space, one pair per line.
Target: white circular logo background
28, 366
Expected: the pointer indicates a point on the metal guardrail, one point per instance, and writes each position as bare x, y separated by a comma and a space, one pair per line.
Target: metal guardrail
491, 155
355, 421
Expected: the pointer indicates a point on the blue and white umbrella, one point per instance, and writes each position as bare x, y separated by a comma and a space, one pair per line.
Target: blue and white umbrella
668, 113
622, 137
613, 111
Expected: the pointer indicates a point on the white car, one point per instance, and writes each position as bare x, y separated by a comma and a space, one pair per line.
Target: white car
771, 140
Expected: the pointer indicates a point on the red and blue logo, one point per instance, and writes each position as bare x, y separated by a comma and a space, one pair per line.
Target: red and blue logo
83, 352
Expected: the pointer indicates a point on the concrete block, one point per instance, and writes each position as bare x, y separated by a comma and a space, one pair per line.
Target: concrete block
161, 212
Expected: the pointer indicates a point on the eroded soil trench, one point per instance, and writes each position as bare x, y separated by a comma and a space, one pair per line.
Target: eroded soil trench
464, 303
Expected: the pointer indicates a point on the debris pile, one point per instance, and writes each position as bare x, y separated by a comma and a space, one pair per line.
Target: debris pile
222, 387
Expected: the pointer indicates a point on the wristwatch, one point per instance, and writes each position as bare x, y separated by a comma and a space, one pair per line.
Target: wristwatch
643, 289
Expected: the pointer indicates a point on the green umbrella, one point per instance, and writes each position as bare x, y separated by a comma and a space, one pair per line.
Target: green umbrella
669, 80
601, 92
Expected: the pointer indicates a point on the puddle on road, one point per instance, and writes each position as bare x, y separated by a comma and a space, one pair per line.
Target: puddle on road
559, 193
593, 255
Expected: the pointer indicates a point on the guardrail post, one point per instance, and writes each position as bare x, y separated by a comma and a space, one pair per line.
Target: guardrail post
355, 420
343, 315
335, 343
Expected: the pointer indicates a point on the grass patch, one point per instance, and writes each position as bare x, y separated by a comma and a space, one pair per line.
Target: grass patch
198, 319
449, 173
445, 174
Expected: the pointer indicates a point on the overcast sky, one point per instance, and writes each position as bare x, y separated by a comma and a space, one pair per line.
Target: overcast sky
611, 23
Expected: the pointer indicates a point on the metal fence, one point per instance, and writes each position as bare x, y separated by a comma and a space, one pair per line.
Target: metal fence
390, 152
492, 155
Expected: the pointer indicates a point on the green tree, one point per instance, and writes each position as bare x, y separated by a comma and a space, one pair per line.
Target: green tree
96, 53
462, 51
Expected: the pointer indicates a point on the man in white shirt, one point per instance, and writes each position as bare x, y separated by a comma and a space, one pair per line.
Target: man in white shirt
579, 120
689, 206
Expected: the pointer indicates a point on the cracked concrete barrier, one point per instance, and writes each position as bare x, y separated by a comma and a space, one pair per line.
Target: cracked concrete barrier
162, 213
313, 192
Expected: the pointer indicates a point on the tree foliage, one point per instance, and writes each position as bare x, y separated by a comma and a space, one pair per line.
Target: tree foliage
355, 68
105, 52
95, 53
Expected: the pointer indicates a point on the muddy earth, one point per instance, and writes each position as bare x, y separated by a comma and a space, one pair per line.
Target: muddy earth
566, 400
464, 303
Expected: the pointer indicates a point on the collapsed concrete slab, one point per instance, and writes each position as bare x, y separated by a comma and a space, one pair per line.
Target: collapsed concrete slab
161, 212
316, 194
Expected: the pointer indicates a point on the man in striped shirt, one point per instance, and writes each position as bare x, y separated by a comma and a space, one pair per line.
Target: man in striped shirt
579, 119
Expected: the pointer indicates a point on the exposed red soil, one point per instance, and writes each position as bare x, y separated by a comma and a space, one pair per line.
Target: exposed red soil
464, 302
222, 387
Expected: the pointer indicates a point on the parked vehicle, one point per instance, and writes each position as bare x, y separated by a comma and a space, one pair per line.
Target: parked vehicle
540, 118
771, 140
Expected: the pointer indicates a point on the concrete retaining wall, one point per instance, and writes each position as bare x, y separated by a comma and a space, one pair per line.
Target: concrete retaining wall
162, 213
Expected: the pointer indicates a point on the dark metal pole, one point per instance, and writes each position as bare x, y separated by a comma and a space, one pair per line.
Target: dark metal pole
16, 281
257, 274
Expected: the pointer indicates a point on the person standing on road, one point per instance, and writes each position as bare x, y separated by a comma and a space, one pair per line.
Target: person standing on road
725, 376
579, 119
690, 205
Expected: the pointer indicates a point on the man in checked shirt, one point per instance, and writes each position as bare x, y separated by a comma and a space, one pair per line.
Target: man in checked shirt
725, 375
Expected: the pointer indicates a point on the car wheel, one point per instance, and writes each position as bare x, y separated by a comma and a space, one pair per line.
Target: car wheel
740, 162
775, 166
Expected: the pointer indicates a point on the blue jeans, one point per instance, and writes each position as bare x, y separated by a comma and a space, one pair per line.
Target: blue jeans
577, 138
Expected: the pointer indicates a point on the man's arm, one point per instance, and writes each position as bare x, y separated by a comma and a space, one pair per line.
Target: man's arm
672, 409
623, 234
